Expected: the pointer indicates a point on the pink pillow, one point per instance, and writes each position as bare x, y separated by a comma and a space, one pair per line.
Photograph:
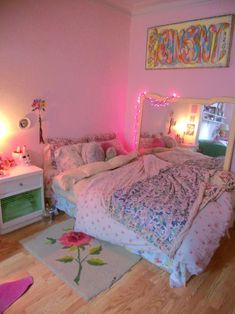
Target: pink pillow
158, 142
146, 142
116, 144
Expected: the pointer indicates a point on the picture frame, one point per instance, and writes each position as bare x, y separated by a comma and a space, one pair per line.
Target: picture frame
190, 129
212, 110
201, 43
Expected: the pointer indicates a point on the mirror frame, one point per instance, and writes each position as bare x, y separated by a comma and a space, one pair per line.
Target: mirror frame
190, 101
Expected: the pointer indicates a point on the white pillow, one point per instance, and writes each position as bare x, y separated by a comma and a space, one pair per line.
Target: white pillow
68, 157
92, 152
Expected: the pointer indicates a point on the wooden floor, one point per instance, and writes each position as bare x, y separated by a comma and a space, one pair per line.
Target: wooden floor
145, 289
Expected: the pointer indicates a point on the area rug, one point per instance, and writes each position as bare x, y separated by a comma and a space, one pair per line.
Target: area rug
11, 291
86, 264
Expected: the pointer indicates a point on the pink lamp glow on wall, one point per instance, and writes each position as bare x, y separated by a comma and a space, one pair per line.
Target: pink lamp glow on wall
3, 130
4, 133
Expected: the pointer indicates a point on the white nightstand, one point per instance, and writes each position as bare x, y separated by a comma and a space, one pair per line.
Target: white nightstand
21, 197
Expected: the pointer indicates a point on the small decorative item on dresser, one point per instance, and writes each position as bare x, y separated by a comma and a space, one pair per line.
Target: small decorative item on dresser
39, 105
21, 156
21, 198
25, 158
5, 164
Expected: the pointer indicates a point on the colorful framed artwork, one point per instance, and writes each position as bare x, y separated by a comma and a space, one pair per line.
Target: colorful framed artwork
202, 43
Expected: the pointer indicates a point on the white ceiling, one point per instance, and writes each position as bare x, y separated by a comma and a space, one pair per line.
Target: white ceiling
141, 6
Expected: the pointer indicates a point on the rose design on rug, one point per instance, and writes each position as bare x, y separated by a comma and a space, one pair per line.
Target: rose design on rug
75, 242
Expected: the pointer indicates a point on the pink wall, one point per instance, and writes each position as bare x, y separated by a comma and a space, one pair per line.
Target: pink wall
72, 53
185, 82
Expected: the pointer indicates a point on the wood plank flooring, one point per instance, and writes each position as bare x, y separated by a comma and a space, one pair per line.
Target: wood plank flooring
145, 289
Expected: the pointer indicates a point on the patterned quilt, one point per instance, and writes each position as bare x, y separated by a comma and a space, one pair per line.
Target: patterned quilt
213, 163
162, 208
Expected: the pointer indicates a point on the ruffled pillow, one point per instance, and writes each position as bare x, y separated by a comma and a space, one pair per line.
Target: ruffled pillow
68, 157
92, 152
146, 142
116, 144
158, 142
150, 142
170, 142
54, 144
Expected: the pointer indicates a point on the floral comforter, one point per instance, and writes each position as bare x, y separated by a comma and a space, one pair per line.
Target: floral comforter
161, 208
93, 200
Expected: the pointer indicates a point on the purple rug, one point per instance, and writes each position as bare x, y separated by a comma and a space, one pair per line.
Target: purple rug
11, 291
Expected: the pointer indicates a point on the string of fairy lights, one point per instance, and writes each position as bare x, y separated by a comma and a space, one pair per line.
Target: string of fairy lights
152, 101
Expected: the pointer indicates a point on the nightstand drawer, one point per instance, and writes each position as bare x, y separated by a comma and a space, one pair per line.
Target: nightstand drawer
20, 205
19, 185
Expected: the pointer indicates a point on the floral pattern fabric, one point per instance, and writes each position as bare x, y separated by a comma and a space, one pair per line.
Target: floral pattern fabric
69, 156
50, 169
213, 163
92, 152
162, 208
57, 142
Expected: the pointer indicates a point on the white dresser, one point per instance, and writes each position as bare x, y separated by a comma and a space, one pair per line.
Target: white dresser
21, 197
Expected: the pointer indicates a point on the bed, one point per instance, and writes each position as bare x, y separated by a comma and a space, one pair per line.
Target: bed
118, 200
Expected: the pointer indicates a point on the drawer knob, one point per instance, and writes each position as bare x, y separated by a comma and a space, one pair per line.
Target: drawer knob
21, 184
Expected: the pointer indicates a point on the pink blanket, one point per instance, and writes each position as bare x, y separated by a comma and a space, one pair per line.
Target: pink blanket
11, 291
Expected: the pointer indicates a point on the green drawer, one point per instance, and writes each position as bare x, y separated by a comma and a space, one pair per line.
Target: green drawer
21, 205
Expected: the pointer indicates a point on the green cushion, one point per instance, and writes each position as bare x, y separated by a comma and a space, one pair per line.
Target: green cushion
211, 148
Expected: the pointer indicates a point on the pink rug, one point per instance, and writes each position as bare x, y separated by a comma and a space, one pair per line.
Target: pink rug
11, 291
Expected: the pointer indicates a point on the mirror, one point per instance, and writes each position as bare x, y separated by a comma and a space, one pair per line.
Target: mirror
203, 125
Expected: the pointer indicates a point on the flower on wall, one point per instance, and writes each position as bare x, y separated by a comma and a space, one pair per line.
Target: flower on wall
39, 105
76, 242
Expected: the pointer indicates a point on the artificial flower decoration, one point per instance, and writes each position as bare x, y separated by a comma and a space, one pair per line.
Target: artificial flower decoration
6, 163
39, 105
